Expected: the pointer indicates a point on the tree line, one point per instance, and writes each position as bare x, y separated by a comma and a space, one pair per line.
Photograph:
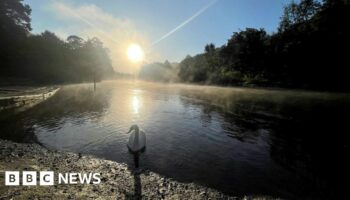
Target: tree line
309, 51
45, 58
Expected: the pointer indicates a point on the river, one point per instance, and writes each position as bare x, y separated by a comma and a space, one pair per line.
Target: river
241, 141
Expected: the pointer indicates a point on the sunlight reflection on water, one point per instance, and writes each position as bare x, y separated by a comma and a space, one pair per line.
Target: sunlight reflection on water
136, 104
241, 141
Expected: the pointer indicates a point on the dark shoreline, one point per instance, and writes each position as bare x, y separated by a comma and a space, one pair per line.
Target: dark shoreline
118, 181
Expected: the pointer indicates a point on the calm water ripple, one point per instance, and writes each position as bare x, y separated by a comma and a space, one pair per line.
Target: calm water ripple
241, 141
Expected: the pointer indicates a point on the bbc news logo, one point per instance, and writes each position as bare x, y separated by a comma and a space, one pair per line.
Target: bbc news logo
13, 178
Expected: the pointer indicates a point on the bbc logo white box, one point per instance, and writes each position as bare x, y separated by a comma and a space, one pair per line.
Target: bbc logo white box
46, 178
12, 178
29, 178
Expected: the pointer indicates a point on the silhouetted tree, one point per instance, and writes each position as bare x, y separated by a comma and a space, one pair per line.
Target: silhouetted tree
14, 17
298, 13
45, 58
75, 42
209, 48
307, 51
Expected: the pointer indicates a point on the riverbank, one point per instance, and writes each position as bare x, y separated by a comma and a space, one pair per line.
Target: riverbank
118, 181
24, 97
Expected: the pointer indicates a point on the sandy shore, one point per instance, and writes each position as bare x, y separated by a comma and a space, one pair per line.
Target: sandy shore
117, 180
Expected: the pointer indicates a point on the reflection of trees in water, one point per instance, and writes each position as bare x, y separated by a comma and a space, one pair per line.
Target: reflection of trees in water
307, 136
314, 146
12, 127
75, 104
239, 122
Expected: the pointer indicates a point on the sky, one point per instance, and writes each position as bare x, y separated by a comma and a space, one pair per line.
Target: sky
165, 29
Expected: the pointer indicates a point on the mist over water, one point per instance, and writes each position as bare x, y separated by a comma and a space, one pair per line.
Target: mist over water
238, 140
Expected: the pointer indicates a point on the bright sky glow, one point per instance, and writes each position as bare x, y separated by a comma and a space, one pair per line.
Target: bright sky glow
135, 53
165, 30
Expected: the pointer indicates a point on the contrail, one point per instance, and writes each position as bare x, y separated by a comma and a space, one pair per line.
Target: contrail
199, 12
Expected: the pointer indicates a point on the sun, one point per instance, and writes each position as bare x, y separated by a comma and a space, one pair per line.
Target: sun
135, 53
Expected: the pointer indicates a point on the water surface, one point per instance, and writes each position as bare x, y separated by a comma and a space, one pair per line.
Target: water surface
289, 144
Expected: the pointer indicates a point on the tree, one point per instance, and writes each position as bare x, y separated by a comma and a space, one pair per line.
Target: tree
209, 48
310, 54
14, 17
246, 51
298, 13
14, 27
75, 42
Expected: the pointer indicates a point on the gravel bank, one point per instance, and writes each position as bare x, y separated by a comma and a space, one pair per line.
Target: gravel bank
117, 180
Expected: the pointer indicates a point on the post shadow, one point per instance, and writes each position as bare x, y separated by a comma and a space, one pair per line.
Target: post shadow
137, 179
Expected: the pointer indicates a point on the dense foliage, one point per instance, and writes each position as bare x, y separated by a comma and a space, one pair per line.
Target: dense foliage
308, 51
45, 58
